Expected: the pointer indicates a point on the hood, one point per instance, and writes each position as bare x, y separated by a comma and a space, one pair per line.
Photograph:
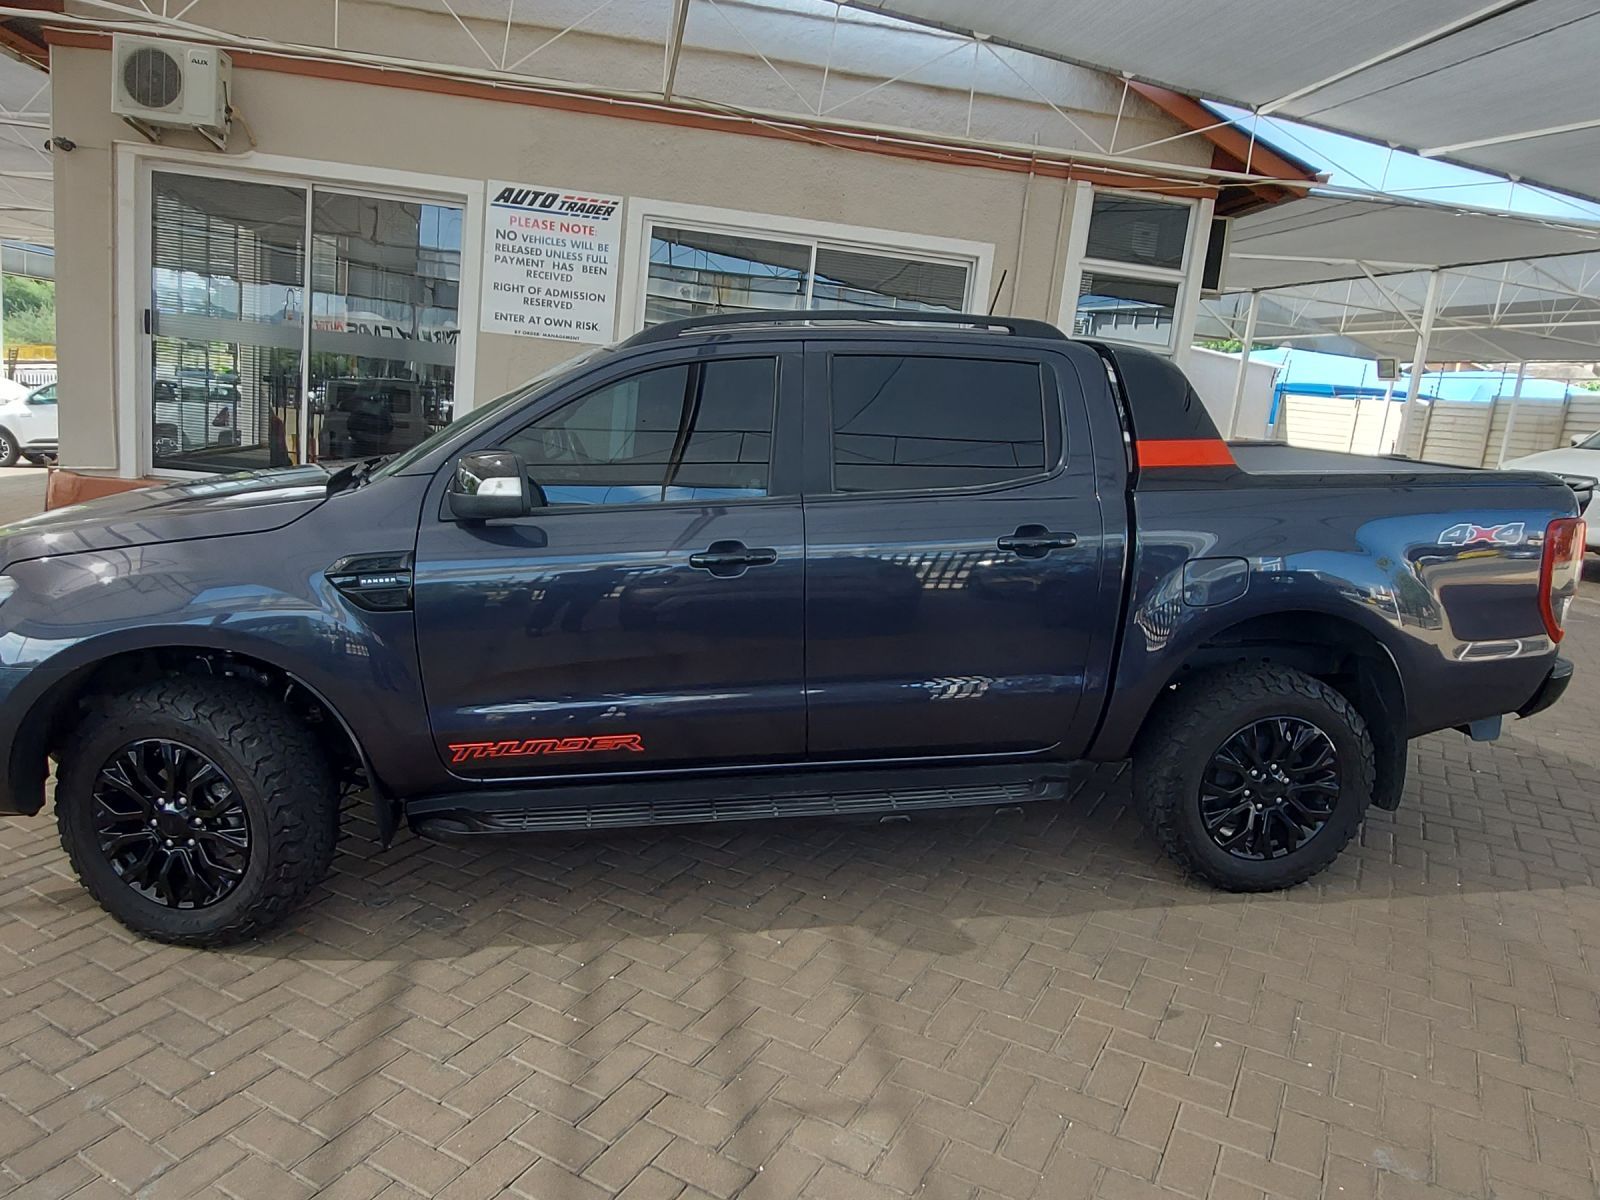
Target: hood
1566, 461
252, 502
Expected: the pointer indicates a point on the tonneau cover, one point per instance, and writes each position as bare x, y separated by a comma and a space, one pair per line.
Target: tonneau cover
1276, 458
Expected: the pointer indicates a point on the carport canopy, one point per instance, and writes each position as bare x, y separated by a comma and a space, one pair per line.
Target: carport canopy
1353, 275
1505, 86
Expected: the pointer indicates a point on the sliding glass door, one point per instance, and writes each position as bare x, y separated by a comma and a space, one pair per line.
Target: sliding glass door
293, 324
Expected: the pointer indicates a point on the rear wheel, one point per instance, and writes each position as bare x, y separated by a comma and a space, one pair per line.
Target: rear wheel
196, 811
1255, 777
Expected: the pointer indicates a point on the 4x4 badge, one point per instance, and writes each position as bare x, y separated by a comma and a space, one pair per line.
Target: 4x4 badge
1466, 534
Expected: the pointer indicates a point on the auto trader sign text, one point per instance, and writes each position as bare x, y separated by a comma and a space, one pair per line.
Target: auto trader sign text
550, 262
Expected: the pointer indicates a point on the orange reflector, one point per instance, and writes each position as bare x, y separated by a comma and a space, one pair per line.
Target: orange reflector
1183, 452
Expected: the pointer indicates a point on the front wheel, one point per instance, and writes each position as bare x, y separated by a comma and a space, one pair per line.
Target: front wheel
196, 811
9, 451
1254, 777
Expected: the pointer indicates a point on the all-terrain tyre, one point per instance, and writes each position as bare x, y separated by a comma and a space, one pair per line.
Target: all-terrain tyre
196, 811
1254, 777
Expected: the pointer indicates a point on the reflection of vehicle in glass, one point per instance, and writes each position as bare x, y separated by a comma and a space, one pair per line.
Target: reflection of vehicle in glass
29, 427
765, 565
365, 417
194, 411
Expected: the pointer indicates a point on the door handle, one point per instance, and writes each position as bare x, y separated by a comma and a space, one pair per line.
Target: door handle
1035, 541
730, 559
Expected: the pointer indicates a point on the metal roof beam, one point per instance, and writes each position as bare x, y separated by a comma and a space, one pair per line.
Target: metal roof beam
1501, 139
669, 71
1398, 51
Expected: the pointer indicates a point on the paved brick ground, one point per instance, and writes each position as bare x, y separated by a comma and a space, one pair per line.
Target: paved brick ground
1022, 1006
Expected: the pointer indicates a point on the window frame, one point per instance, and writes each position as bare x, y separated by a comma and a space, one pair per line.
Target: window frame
784, 481
135, 166
1186, 277
643, 215
819, 415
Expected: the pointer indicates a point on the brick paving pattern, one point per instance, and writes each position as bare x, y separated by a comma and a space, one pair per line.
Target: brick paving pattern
1024, 1005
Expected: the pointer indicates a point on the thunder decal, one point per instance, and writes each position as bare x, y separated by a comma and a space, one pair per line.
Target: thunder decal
605, 743
1466, 534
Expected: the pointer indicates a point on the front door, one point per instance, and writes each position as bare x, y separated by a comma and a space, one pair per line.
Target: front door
648, 615
956, 600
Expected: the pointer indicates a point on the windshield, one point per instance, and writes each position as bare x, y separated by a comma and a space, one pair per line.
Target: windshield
1592, 442
485, 413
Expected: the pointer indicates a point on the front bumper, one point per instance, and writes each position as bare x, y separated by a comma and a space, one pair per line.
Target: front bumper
1551, 690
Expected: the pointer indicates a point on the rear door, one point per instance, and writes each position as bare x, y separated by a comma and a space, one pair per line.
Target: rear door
648, 615
956, 591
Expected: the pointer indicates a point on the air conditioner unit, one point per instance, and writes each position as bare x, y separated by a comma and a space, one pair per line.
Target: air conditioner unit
172, 85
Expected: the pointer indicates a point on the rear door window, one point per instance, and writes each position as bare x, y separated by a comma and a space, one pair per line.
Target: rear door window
932, 423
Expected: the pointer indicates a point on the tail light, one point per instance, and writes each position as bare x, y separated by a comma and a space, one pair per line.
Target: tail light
1560, 570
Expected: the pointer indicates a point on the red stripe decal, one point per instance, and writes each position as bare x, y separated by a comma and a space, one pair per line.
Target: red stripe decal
1183, 452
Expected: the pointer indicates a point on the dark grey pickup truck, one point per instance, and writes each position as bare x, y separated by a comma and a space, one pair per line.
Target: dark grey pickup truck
767, 565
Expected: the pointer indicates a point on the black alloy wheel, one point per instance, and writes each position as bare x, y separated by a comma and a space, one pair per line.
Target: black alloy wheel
171, 824
1270, 788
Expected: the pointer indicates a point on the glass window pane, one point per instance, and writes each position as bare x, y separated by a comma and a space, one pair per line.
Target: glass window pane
226, 306
1125, 310
850, 279
684, 432
919, 423
694, 272
1131, 229
385, 295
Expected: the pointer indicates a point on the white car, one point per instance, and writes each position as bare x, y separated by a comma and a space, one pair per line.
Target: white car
29, 428
1579, 461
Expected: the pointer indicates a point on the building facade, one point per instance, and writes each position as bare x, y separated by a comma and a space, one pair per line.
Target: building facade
389, 238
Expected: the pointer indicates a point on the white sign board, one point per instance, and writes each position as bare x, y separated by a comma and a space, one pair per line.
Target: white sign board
550, 262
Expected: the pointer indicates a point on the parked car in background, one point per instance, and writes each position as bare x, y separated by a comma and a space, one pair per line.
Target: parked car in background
194, 411
1578, 465
28, 427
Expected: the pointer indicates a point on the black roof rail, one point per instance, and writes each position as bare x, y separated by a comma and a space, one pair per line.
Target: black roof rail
1015, 326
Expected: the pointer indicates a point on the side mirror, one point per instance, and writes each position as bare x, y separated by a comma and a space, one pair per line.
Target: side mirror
488, 485
1579, 439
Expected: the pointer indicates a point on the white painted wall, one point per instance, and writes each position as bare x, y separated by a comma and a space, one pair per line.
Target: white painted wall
1214, 375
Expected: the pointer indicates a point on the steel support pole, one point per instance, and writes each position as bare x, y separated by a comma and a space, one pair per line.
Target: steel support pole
1511, 417
1244, 363
1419, 362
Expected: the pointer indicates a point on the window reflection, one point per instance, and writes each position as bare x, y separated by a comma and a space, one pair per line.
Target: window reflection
228, 311
227, 261
694, 272
385, 299
1124, 309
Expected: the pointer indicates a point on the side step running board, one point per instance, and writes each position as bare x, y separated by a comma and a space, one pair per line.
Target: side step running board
613, 807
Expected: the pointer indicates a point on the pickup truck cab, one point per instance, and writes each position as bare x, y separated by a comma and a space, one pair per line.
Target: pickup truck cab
767, 565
